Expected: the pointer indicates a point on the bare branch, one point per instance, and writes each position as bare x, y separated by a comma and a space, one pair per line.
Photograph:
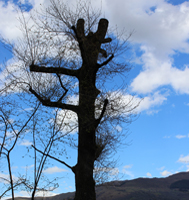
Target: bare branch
53, 158
106, 62
10, 175
14, 186
47, 102
102, 113
66, 90
56, 70
4, 137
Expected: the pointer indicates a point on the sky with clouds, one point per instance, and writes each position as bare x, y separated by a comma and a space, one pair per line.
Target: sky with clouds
159, 53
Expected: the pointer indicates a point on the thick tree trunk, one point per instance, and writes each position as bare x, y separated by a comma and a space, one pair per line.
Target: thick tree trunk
90, 46
85, 184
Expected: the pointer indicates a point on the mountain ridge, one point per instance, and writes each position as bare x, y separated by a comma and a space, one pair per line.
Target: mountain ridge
136, 189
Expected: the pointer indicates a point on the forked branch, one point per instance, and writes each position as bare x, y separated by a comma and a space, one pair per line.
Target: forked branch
66, 90
47, 102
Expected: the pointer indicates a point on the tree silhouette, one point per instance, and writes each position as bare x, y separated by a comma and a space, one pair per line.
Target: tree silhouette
66, 49
87, 150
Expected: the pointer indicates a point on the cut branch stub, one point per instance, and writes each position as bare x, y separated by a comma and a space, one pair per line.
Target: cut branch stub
80, 28
102, 29
106, 40
90, 44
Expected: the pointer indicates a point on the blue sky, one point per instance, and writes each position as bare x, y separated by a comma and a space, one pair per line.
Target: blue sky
159, 49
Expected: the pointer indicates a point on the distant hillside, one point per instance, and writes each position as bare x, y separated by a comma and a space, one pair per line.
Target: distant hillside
144, 189
138, 189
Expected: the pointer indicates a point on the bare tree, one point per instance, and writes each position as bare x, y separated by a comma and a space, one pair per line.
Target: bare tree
10, 121
55, 134
11, 131
65, 59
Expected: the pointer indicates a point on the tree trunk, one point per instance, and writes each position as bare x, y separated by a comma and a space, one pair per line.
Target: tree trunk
85, 184
90, 46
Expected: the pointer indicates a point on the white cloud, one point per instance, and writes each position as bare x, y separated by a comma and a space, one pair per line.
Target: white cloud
45, 194
28, 167
165, 173
4, 178
146, 104
68, 121
114, 172
8, 25
68, 188
24, 194
152, 101
183, 159
167, 137
53, 170
40, 193
149, 174
159, 73
161, 168
152, 112
127, 166
180, 136
129, 173
157, 32
25, 143
160, 29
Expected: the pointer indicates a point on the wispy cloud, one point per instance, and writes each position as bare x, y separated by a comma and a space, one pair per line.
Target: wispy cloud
152, 112
151, 101
53, 170
28, 167
127, 166
184, 159
40, 193
4, 178
128, 172
149, 174
167, 137
69, 187
161, 168
25, 143
165, 173
177, 136
180, 136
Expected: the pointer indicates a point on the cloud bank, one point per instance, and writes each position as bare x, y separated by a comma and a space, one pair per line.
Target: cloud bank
161, 31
